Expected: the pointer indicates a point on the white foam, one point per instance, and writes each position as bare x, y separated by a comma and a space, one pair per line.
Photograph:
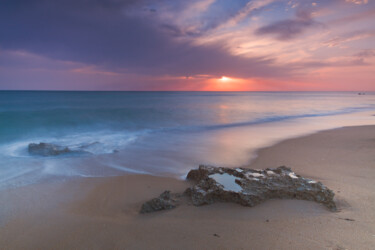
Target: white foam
104, 142
14, 174
293, 175
128, 170
254, 175
227, 181
15, 149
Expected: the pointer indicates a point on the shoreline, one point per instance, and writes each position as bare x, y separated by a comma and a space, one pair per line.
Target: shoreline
102, 213
229, 147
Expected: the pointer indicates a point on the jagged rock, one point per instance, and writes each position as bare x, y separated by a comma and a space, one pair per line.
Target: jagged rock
250, 187
48, 149
247, 187
163, 202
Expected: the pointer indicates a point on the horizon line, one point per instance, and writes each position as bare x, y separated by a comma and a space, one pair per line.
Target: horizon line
61, 90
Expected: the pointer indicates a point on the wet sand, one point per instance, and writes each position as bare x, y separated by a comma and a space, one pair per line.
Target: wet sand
102, 213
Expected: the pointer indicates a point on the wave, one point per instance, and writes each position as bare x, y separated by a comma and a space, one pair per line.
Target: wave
109, 141
270, 119
95, 142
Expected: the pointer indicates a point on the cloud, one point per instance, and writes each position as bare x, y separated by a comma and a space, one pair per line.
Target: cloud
349, 37
110, 35
357, 1
367, 53
289, 28
331, 63
195, 18
349, 19
150, 42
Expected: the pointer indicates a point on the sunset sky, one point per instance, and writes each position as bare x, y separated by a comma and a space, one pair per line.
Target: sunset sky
267, 45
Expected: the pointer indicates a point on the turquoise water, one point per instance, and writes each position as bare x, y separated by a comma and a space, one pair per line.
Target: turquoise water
163, 133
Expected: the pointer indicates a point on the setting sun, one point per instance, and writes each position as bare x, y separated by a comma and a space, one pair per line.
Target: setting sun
224, 79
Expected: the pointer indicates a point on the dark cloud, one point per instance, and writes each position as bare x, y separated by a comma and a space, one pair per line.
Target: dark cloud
103, 33
289, 28
200, 21
367, 53
219, 12
312, 64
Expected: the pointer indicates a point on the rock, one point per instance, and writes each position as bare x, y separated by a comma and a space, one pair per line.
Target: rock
247, 187
48, 149
163, 202
250, 187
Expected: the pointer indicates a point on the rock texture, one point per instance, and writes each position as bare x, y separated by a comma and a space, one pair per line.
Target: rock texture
163, 202
48, 149
250, 187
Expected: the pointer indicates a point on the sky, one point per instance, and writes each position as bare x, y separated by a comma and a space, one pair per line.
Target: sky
179, 45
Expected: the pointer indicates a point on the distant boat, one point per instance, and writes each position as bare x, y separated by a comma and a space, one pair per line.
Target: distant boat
361, 93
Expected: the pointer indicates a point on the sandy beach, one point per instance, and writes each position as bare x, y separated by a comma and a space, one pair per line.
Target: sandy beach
174, 124
103, 213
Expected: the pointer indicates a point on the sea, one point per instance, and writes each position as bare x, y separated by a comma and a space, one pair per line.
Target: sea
159, 133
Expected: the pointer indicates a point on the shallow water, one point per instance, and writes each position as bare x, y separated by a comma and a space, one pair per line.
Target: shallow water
161, 133
227, 181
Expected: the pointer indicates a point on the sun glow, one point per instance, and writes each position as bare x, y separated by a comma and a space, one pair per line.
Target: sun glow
225, 79
225, 83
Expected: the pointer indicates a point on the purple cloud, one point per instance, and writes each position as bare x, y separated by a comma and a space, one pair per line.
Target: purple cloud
120, 41
289, 28
102, 33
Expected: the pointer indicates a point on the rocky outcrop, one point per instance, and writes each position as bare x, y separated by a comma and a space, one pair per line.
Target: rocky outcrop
250, 187
163, 202
247, 187
48, 149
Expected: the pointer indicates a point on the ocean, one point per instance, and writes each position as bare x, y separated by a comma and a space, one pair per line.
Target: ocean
158, 133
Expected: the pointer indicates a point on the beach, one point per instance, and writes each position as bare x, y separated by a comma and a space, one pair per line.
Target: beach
203, 124
103, 213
